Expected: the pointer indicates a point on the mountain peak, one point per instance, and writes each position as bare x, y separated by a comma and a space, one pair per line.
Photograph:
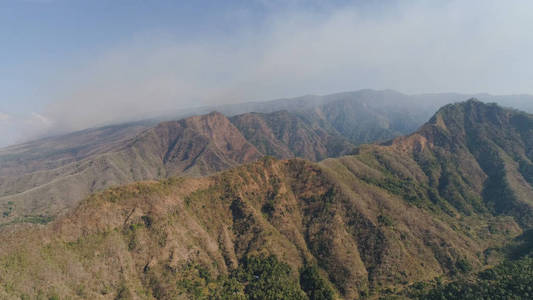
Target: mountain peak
491, 144
214, 114
473, 111
208, 119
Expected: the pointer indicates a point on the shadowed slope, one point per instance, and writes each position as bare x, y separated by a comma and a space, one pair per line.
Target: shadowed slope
476, 156
286, 135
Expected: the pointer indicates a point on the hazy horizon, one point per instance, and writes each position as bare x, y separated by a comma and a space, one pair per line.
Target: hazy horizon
70, 65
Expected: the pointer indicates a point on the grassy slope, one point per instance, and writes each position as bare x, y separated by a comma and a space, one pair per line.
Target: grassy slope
144, 237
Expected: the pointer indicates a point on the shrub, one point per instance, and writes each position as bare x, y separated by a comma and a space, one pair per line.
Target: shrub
314, 285
267, 278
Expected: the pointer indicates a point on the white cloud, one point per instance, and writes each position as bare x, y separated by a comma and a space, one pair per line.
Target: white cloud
415, 46
40, 119
16, 129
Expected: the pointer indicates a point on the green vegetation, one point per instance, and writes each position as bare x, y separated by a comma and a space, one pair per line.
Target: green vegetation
385, 220
314, 285
37, 219
9, 209
138, 189
266, 278
395, 182
256, 278
510, 280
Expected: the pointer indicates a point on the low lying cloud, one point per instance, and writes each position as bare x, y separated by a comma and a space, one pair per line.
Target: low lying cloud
15, 129
414, 47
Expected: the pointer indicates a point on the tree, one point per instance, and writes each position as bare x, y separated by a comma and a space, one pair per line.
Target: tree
314, 285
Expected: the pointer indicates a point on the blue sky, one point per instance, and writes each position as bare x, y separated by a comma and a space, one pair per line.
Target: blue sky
68, 64
38, 37
41, 39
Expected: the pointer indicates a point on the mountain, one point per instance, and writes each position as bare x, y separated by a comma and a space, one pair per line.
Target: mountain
194, 146
57, 151
479, 155
285, 135
367, 116
197, 145
363, 116
359, 117
37, 188
435, 204
41, 179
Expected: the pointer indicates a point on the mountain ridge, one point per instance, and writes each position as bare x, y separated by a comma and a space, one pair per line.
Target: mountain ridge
195, 146
375, 222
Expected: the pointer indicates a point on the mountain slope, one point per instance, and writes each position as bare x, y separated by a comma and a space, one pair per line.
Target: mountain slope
391, 215
367, 116
285, 135
197, 145
55, 173
361, 236
370, 115
193, 146
478, 156
363, 116
54, 152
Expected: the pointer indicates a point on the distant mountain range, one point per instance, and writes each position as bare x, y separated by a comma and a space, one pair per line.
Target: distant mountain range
43, 178
440, 202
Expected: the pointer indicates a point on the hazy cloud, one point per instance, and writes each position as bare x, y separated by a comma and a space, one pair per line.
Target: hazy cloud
415, 46
16, 129
4, 117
